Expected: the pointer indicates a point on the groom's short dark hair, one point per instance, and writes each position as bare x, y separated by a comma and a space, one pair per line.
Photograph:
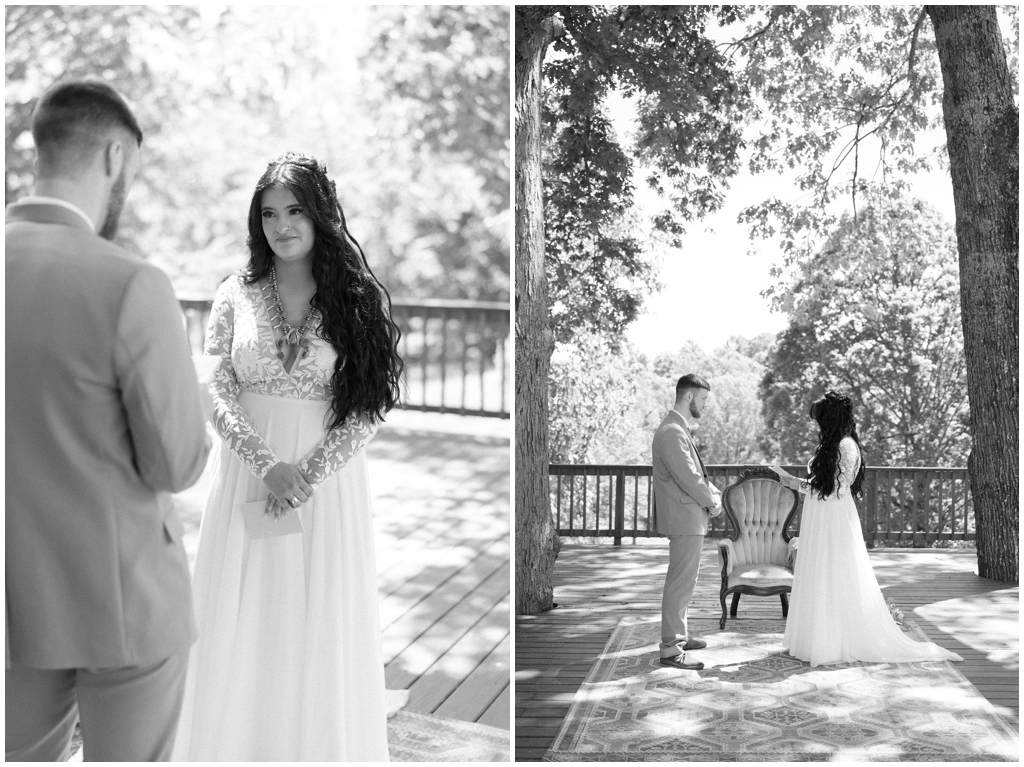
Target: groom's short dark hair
690, 381
71, 119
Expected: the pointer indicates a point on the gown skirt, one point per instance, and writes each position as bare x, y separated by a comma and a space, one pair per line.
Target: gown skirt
288, 665
837, 613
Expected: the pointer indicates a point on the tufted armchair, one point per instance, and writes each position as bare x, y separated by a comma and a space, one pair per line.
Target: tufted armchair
758, 556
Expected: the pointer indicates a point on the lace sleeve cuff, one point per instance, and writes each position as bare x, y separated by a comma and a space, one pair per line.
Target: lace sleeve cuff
337, 448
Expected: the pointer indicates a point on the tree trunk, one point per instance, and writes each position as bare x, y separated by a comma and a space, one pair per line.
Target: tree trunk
536, 540
982, 133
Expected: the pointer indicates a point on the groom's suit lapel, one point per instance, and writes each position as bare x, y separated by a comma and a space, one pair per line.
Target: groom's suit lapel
700, 460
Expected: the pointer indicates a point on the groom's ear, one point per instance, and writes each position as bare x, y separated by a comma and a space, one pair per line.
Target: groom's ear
113, 157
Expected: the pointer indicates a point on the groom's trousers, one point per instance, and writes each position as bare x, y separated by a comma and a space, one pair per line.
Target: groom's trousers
680, 582
127, 714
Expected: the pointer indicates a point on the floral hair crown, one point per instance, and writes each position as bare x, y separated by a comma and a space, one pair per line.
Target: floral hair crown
317, 167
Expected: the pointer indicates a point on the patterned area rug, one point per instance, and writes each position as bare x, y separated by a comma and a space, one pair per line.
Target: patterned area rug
753, 703
416, 737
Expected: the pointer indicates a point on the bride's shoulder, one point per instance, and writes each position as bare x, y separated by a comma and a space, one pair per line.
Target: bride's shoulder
849, 446
233, 286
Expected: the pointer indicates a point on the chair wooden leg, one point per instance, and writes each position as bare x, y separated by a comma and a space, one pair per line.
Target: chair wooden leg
785, 605
735, 603
721, 624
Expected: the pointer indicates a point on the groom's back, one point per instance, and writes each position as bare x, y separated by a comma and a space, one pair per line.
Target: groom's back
96, 574
62, 289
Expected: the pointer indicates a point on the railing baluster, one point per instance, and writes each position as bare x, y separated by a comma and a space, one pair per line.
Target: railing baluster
558, 516
444, 357
636, 503
870, 512
423, 355
481, 346
465, 357
584, 501
650, 503
504, 370
967, 491
405, 356
572, 505
611, 500
942, 505
620, 506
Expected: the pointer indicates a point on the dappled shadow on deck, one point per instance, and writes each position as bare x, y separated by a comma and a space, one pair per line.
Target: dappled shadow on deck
595, 586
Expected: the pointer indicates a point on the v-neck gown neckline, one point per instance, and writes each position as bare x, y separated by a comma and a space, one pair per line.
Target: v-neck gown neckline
268, 324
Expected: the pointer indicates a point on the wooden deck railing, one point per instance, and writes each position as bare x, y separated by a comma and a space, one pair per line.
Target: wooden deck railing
456, 352
901, 504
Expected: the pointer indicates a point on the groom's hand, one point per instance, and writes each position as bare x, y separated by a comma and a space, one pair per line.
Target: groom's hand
715, 510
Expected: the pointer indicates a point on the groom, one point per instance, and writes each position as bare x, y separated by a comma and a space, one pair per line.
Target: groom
104, 420
683, 500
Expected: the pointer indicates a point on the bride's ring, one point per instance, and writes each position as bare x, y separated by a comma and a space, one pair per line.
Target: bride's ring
294, 502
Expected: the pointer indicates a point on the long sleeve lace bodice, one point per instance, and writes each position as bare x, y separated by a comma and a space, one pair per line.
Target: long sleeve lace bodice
241, 334
849, 465
846, 471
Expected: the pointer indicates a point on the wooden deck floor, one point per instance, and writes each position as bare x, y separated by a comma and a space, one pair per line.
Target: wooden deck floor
595, 586
440, 487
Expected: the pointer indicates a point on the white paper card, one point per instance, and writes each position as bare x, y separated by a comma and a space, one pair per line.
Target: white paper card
259, 525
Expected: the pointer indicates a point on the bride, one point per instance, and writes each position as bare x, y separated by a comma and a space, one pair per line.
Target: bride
288, 666
837, 613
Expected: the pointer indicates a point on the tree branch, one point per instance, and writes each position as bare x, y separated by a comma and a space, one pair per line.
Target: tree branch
913, 43
856, 165
772, 18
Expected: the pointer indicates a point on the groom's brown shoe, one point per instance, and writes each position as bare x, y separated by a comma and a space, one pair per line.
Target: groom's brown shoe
682, 662
695, 643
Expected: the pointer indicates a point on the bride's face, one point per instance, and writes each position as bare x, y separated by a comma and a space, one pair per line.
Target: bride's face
288, 229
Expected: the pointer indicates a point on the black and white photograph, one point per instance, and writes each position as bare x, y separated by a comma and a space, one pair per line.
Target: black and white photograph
259, 376
766, 488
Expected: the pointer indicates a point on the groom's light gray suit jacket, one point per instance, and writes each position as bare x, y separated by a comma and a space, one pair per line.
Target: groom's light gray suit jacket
103, 422
682, 494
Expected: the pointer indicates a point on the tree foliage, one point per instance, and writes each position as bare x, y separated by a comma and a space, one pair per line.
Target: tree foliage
687, 139
842, 95
220, 92
599, 398
606, 402
847, 96
875, 313
436, 80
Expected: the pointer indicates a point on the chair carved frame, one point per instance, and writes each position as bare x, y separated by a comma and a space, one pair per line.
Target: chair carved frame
736, 591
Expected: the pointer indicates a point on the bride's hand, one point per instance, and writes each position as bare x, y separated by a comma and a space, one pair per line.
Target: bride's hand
275, 508
286, 482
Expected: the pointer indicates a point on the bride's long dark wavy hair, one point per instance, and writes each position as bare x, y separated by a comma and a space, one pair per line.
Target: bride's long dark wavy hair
834, 414
355, 309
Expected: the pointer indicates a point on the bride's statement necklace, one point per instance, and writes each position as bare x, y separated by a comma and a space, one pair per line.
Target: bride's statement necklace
289, 335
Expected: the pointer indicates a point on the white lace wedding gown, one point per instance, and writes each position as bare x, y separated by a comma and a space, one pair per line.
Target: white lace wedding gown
288, 665
837, 613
